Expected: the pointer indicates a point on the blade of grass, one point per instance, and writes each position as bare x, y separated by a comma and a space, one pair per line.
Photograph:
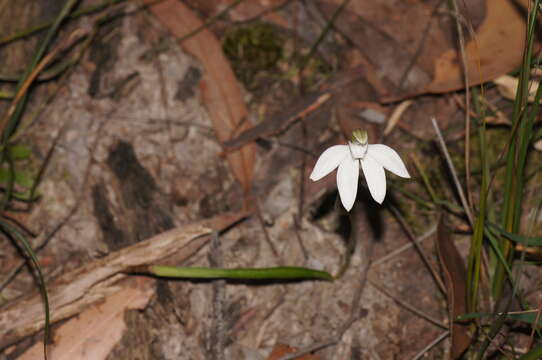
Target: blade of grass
76, 14
534, 354
526, 240
11, 230
275, 273
15, 118
425, 178
516, 156
475, 252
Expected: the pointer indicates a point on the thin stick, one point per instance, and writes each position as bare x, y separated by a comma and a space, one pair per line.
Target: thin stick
454, 173
420, 251
441, 337
409, 307
71, 39
265, 232
407, 246
210, 21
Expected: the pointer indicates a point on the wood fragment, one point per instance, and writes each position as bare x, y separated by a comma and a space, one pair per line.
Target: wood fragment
70, 293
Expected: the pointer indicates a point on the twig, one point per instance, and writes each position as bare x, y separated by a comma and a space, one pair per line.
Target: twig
408, 306
408, 245
420, 47
396, 116
21, 92
210, 21
263, 13
452, 170
327, 28
301, 199
420, 251
441, 337
217, 336
265, 232
297, 228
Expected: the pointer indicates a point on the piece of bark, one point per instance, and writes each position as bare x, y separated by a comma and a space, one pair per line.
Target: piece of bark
75, 290
97, 329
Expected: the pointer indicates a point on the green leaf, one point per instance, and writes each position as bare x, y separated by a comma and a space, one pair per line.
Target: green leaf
19, 152
16, 234
534, 354
275, 273
526, 317
525, 240
21, 178
27, 195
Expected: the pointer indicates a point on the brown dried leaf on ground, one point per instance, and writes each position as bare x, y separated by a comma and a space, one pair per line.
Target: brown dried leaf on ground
281, 350
496, 50
243, 11
219, 87
412, 47
456, 279
97, 329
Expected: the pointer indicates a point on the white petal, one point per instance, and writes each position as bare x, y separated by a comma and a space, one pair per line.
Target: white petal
375, 177
329, 160
347, 181
388, 158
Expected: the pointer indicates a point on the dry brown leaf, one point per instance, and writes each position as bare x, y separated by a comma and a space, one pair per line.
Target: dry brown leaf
496, 50
280, 350
408, 63
219, 87
455, 279
94, 332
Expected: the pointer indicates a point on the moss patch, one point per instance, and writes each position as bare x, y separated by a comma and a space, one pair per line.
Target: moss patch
252, 50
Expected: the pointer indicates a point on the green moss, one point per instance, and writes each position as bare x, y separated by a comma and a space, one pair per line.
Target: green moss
253, 49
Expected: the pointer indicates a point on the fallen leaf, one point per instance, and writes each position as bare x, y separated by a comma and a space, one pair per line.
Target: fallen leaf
95, 331
495, 50
455, 278
281, 350
408, 63
219, 87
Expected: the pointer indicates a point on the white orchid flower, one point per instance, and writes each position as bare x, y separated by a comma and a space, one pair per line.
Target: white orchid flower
374, 158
